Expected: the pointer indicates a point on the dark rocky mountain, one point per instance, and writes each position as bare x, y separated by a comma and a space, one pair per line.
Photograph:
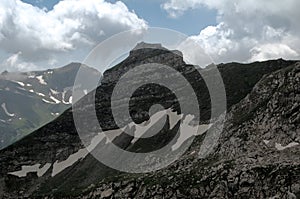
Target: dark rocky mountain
257, 155
31, 99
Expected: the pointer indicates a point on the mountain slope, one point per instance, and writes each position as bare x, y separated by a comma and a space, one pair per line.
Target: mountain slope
257, 155
31, 99
58, 141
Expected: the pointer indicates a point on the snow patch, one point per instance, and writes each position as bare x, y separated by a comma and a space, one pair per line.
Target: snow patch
60, 166
54, 92
70, 100
141, 129
46, 101
3, 105
79, 155
186, 128
55, 100
266, 141
63, 98
41, 80
112, 134
279, 147
20, 83
174, 118
55, 114
31, 169
21, 88
40, 94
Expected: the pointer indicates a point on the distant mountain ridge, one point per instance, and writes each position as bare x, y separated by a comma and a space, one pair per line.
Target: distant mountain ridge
31, 99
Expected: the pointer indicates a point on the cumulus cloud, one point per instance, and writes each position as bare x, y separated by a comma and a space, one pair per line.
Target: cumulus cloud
33, 36
247, 30
14, 62
271, 51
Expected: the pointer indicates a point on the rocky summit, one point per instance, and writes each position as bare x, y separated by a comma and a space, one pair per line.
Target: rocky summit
256, 155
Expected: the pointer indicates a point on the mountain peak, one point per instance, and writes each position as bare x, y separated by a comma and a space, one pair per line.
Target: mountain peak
142, 45
4, 72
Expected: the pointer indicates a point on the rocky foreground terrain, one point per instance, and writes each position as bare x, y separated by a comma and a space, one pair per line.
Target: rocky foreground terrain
256, 156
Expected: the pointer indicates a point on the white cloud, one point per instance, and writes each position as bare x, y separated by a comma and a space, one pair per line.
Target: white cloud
15, 63
175, 8
193, 53
68, 31
272, 51
247, 30
12, 60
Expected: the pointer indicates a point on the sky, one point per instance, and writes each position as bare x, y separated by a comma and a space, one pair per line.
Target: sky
40, 34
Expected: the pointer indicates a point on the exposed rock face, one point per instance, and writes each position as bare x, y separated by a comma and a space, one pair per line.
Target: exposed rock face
267, 118
245, 163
